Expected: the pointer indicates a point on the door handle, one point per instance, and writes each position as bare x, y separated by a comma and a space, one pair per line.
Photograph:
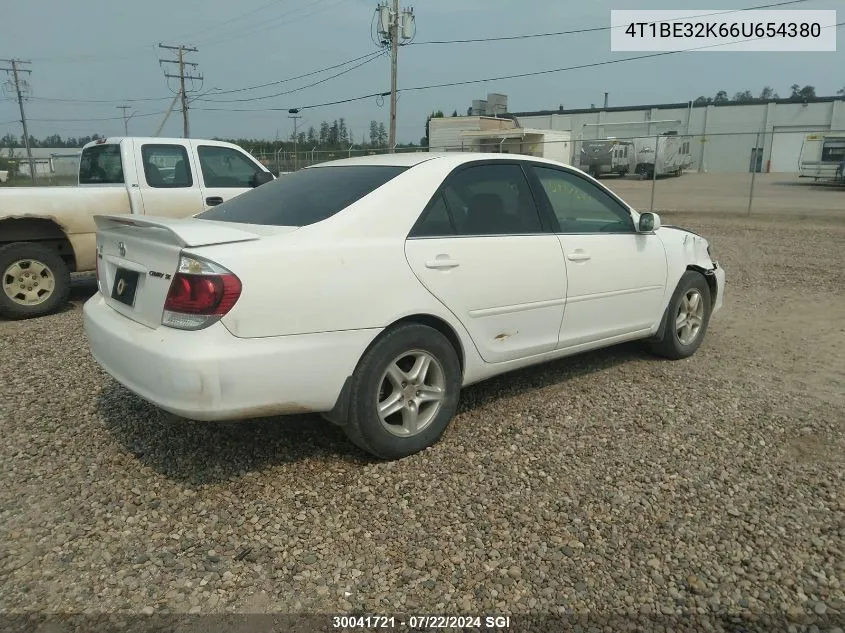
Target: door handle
214, 200
578, 256
443, 262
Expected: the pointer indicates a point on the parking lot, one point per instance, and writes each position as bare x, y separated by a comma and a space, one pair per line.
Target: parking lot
612, 483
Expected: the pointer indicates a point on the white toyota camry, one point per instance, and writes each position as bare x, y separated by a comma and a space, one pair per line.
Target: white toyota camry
373, 289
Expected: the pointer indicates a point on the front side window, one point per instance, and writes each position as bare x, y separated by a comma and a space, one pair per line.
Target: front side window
491, 200
166, 166
580, 206
225, 167
101, 165
303, 197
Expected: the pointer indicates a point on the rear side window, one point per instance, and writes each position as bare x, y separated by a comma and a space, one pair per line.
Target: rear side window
166, 166
491, 200
101, 165
303, 197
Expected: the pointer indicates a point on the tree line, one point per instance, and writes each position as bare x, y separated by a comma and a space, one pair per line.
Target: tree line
12, 141
797, 93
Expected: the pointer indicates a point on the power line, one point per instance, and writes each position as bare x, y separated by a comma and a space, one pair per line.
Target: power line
209, 92
589, 30
502, 77
371, 58
269, 24
281, 81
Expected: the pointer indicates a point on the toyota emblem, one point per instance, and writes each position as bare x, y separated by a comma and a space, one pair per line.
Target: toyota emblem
121, 247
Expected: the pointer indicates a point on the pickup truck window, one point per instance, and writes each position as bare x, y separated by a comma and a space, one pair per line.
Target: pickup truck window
166, 166
225, 167
101, 165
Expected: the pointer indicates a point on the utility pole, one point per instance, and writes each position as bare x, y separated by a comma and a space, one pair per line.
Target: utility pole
16, 72
125, 118
394, 26
181, 49
294, 114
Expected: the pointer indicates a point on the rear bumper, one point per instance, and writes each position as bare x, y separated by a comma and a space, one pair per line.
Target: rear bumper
212, 375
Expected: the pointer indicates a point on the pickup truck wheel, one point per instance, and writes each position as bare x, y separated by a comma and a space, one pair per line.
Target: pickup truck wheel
35, 281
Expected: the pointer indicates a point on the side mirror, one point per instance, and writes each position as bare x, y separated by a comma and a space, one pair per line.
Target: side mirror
648, 222
261, 178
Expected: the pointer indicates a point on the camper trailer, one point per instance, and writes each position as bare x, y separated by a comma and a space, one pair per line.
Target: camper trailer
610, 156
821, 155
673, 155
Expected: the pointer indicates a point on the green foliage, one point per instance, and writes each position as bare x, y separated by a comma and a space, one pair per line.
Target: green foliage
767, 94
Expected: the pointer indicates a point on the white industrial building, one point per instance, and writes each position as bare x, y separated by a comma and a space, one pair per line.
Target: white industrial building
724, 138
50, 162
500, 135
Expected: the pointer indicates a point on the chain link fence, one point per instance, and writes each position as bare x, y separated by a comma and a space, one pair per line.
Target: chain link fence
789, 171
796, 171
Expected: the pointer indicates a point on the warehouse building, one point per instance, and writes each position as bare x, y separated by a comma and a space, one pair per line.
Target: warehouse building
728, 137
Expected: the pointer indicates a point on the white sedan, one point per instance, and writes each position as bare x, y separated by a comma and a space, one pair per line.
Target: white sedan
373, 289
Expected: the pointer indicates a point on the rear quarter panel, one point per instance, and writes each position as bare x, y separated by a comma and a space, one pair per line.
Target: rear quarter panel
346, 272
72, 208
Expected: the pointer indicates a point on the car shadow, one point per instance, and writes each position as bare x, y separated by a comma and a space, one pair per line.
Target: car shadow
199, 453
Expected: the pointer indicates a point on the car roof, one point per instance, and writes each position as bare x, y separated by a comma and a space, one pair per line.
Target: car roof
409, 159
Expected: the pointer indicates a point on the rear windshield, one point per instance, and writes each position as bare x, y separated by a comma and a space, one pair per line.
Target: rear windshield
303, 197
101, 165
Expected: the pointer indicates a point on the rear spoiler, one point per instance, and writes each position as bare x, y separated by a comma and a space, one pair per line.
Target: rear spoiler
181, 231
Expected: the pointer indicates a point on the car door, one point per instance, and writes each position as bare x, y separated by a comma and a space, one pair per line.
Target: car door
226, 173
615, 276
482, 249
166, 180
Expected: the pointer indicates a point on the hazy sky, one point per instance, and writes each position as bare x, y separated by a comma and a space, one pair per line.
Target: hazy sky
107, 50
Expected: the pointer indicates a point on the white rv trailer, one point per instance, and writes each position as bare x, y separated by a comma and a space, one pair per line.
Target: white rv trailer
673, 155
821, 155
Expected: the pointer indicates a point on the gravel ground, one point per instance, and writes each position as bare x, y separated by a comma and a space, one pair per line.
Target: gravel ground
612, 483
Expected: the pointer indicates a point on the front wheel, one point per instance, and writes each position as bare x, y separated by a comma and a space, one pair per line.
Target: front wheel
404, 392
35, 280
687, 318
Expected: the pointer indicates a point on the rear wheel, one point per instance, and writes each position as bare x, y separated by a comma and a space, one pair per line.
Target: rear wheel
687, 318
404, 392
35, 280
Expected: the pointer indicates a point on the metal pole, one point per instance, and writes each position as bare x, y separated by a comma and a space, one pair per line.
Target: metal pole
654, 173
167, 114
753, 173
185, 126
23, 121
394, 63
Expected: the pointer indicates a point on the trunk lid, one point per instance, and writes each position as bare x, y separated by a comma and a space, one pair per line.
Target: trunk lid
137, 257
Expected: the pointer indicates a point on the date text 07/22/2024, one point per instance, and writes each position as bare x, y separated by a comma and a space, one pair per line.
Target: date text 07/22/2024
423, 622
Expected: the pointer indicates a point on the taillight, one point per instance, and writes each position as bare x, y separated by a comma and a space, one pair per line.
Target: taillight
200, 294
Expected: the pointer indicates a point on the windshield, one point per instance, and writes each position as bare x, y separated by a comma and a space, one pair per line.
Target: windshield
101, 165
303, 197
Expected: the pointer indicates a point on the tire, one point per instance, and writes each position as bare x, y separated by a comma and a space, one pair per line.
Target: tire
673, 345
27, 259
401, 348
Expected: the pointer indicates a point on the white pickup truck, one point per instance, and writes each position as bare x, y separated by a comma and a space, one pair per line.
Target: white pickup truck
47, 233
